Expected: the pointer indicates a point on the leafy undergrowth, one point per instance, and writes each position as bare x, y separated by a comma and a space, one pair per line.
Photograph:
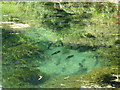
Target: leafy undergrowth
19, 64
94, 79
23, 76
110, 55
92, 35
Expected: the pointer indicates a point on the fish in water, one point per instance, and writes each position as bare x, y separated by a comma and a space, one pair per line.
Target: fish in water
80, 65
70, 56
49, 45
82, 68
96, 62
55, 52
63, 69
58, 62
83, 60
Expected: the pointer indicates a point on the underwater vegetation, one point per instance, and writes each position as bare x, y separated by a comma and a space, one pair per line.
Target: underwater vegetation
74, 45
18, 64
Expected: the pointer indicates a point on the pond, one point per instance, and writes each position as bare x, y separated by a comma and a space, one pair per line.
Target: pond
63, 47
63, 59
60, 59
68, 62
57, 59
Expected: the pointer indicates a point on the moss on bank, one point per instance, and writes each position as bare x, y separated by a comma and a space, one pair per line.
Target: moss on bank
19, 67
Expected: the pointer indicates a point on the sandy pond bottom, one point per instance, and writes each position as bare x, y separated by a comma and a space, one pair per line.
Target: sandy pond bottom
61, 61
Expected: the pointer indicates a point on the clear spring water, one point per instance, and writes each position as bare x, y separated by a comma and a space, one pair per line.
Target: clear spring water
66, 61
59, 64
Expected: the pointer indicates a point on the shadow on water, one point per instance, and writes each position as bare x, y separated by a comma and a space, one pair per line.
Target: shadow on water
81, 48
20, 60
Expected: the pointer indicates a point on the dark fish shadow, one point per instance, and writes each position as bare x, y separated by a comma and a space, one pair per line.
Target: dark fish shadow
82, 69
83, 60
58, 62
68, 57
55, 52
